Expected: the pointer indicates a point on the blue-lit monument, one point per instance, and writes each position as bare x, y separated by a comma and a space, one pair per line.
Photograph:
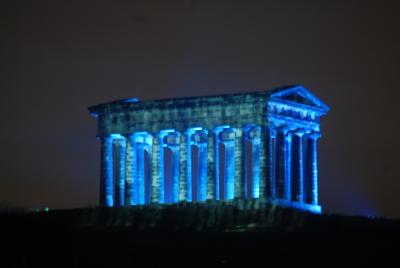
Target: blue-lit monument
250, 145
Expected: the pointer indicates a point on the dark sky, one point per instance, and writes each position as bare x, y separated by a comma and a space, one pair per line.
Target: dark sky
59, 57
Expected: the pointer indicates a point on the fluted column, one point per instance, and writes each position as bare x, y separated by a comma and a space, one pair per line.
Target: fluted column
297, 166
263, 162
173, 140
212, 167
311, 169
202, 172
143, 143
288, 165
252, 187
157, 179
160, 176
282, 175
270, 161
228, 138
131, 172
185, 153
106, 172
240, 153
189, 133
140, 174
120, 170
200, 139
148, 183
255, 162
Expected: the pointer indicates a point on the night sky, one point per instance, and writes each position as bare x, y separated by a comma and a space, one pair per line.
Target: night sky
59, 57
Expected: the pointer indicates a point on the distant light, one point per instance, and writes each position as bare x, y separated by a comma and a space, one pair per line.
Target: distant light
46, 209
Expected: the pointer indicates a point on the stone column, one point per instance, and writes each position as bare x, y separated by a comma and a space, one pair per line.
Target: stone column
311, 169
269, 137
281, 163
200, 139
288, 165
173, 141
263, 162
255, 161
240, 158
212, 167
106, 173
228, 138
183, 166
140, 174
131, 172
188, 165
157, 161
297, 166
202, 172
159, 176
148, 187
120, 176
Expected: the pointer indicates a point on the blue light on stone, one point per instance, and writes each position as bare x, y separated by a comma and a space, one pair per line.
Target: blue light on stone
140, 174
281, 126
255, 171
130, 100
189, 143
202, 172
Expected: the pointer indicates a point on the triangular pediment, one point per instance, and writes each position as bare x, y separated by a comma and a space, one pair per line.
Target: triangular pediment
298, 95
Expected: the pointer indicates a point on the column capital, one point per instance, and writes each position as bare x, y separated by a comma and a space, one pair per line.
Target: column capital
314, 135
218, 129
172, 139
281, 129
228, 134
300, 132
199, 137
252, 131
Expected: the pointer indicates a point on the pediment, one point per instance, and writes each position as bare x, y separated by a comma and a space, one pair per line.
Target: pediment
298, 95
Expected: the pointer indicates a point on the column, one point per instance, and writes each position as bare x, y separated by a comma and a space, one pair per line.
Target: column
148, 186
159, 175
200, 140
228, 138
281, 164
188, 164
288, 165
252, 187
173, 140
297, 166
212, 167
263, 162
255, 162
157, 164
311, 169
202, 172
106, 172
131, 172
269, 137
183, 166
140, 174
120, 170
240, 158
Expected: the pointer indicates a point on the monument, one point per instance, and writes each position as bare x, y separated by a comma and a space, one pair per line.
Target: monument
248, 145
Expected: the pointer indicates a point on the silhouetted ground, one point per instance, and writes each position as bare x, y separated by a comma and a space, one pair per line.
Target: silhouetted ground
239, 233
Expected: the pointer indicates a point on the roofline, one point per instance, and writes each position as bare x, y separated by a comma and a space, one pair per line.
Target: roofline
94, 110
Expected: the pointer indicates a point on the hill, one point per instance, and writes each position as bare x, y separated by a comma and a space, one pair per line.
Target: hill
210, 234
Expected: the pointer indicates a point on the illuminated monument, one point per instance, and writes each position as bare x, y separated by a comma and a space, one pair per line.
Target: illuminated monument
269, 141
